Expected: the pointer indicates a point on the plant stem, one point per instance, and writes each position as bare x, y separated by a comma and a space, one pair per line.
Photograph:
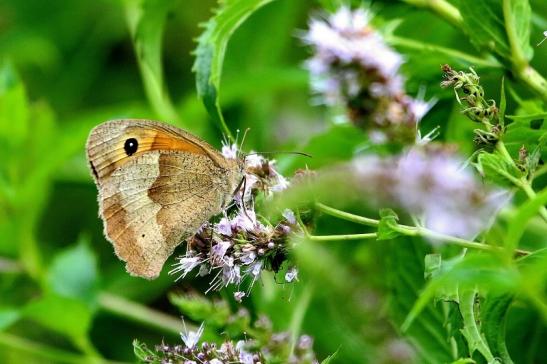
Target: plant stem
525, 185
342, 237
540, 171
46, 352
522, 183
533, 79
402, 229
346, 215
133, 311
441, 7
425, 47
521, 68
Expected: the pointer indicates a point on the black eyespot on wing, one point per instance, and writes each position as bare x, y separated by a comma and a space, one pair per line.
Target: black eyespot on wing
131, 145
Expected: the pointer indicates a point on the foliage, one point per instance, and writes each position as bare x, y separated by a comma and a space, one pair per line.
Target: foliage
389, 288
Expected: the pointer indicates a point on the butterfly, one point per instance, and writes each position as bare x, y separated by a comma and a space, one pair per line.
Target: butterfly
157, 185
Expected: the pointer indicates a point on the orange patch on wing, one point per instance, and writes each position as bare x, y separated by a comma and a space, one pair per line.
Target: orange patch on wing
148, 140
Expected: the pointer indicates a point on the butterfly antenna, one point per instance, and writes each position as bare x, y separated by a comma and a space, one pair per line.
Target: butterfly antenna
282, 152
240, 147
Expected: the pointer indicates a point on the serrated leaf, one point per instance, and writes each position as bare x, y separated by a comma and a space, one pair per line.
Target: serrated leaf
211, 49
405, 280
483, 22
473, 271
432, 265
517, 14
493, 316
73, 273
497, 169
471, 330
387, 228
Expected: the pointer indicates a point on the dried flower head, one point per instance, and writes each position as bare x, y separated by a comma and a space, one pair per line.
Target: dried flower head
241, 244
352, 66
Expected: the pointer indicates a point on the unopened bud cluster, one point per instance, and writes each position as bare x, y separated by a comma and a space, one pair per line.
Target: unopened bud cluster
477, 109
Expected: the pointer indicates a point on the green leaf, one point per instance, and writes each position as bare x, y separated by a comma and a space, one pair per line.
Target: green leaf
387, 228
473, 271
518, 14
73, 273
497, 169
8, 316
471, 330
142, 352
329, 359
66, 316
483, 22
432, 265
211, 49
14, 110
146, 20
525, 212
405, 280
493, 316
199, 309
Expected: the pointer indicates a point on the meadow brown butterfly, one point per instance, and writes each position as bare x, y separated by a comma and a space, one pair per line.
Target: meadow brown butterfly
157, 185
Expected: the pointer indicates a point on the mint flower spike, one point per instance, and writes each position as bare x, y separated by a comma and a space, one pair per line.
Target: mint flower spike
354, 70
259, 345
239, 246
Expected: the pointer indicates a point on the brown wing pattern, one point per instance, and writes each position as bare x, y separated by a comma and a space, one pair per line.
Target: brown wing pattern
150, 201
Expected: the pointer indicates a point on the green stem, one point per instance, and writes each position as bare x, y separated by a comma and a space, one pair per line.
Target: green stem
525, 185
540, 171
136, 312
341, 237
402, 229
46, 352
521, 68
441, 7
533, 79
298, 315
522, 183
517, 56
519, 61
425, 47
346, 215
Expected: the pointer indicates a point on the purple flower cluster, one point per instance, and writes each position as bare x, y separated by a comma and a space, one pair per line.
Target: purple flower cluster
432, 184
269, 348
240, 245
353, 67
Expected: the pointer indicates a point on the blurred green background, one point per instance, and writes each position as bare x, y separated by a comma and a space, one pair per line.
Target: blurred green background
69, 65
